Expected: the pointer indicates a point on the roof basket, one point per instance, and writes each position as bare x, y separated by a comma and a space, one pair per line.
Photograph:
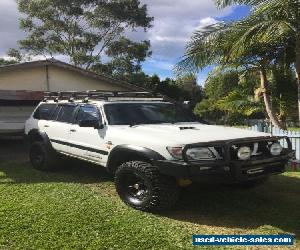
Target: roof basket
101, 95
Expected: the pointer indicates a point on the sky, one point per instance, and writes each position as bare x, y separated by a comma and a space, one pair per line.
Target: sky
174, 23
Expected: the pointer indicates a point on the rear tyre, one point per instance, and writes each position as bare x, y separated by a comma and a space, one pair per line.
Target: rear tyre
141, 186
42, 158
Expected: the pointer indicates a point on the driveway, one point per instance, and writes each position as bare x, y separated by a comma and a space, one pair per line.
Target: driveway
13, 149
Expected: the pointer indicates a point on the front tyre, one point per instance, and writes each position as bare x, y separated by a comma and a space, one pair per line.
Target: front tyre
141, 186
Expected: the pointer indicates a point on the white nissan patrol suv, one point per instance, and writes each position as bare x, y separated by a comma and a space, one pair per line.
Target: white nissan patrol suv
149, 145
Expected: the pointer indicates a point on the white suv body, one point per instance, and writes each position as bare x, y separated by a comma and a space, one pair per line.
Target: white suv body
71, 139
114, 132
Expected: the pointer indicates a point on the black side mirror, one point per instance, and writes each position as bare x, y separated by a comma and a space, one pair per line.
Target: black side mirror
91, 124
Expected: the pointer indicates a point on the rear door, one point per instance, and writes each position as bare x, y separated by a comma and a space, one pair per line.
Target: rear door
58, 127
42, 116
88, 142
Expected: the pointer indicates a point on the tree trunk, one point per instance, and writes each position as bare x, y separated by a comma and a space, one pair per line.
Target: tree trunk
267, 100
297, 67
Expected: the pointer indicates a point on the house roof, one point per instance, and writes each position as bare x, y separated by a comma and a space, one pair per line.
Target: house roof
60, 64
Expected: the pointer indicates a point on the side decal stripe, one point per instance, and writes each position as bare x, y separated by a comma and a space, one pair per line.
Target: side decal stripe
102, 152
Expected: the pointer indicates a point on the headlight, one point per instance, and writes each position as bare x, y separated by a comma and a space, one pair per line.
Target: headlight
176, 152
276, 149
244, 153
199, 154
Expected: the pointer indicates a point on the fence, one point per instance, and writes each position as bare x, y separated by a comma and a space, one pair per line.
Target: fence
293, 135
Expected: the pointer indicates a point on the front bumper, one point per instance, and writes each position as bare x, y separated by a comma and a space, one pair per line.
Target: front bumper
228, 169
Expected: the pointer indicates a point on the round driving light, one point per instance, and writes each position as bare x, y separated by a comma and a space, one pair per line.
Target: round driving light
276, 149
244, 153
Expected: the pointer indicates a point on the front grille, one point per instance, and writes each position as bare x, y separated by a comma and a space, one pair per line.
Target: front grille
220, 151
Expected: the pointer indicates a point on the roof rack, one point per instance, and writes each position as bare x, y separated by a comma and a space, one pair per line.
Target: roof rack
71, 96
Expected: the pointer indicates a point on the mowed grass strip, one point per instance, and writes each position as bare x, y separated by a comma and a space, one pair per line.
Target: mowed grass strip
77, 208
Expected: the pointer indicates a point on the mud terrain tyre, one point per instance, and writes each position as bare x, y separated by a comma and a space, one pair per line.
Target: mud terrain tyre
42, 158
141, 186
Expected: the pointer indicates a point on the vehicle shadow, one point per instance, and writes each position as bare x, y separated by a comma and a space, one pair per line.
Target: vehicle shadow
77, 172
16, 168
275, 203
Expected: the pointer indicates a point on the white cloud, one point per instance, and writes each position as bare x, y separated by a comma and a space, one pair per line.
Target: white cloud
164, 65
206, 21
9, 25
168, 39
174, 23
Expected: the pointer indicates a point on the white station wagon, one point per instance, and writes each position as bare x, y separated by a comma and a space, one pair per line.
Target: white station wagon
151, 146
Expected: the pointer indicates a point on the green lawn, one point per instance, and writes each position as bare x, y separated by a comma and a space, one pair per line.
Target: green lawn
77, 208
296, 129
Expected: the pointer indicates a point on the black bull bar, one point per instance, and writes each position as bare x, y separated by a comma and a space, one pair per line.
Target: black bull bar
227, 144
232, 169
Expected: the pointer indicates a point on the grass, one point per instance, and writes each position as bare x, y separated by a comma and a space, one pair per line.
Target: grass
296, 129
77, 208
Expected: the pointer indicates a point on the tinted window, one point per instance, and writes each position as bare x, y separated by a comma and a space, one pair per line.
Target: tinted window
145, 113
55, 113
66, 113
88, 112
44, 111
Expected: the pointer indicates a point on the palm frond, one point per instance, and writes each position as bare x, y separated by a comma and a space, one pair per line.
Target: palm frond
225, 3
205, 48
262, 35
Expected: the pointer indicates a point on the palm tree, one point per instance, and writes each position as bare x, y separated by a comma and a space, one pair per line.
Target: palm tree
280, 24
228, 45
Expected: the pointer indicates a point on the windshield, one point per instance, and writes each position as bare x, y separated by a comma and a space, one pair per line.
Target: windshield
145, 113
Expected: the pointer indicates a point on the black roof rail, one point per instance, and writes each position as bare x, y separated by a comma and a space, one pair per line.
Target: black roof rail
98, 94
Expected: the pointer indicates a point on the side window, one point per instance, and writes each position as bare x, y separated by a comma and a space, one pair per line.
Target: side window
55, 113
66, 113
88, 112
44, 111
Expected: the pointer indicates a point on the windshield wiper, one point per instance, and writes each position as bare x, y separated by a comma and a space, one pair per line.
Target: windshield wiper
134, 124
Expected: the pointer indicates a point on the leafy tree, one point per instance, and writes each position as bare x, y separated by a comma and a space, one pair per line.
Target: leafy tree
168, 87
82, 30
228, 45
284, 91
126, 57
229, 97
193, 92
4, 62
220, 82
14, 56
275, 21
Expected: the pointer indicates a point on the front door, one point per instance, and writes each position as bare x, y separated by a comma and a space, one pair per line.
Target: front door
88, 142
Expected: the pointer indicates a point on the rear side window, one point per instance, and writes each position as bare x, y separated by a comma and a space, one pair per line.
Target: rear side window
44, 111
66, 113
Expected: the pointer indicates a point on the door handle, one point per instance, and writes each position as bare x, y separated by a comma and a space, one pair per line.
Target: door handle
72, 130
46, 126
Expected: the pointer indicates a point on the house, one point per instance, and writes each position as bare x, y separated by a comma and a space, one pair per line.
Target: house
23, 85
